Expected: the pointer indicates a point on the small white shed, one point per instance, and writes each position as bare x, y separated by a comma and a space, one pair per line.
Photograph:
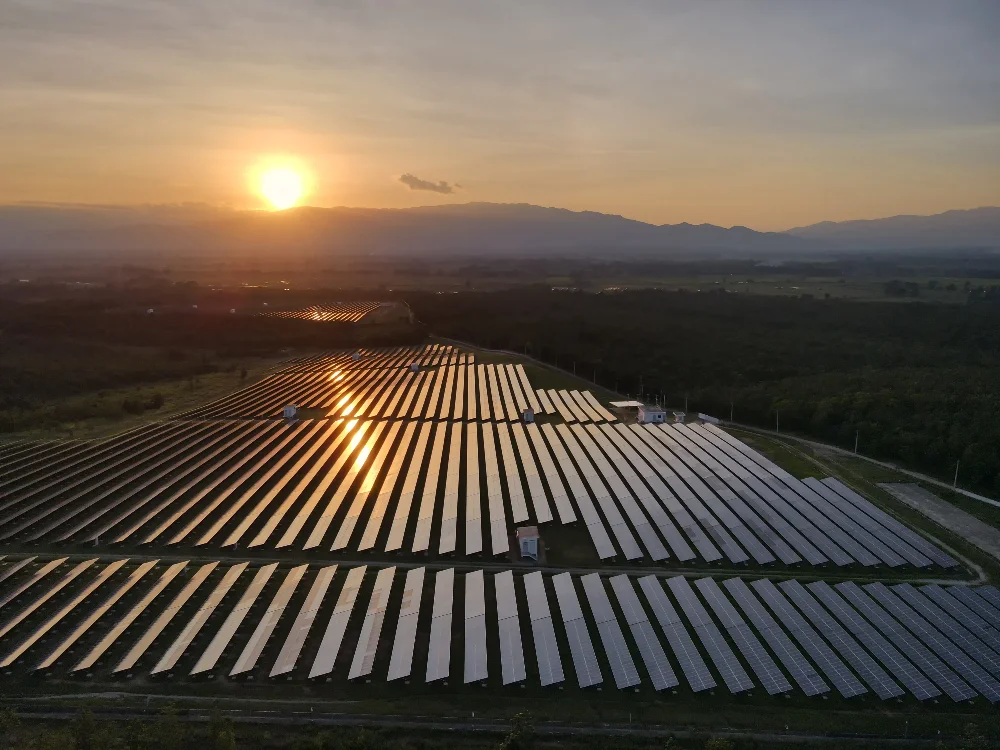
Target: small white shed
290, 411
528, 415
651, 415
527, 541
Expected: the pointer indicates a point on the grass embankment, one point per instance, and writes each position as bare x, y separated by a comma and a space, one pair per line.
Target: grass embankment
112, 410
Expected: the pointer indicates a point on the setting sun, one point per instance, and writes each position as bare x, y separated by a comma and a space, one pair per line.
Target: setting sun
282, 188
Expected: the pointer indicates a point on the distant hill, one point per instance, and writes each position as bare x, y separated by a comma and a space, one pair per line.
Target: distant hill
473, 229
977, 227
468, 229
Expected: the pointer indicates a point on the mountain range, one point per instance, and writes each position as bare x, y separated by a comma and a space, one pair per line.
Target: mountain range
473, 229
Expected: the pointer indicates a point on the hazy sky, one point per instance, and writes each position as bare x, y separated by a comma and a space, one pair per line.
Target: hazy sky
768, 114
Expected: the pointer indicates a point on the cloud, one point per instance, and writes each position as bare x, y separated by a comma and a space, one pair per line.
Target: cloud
415, 183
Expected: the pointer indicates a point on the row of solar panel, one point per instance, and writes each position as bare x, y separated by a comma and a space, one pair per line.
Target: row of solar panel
659, 491
429, 355
349, 312
379, 386
927, 641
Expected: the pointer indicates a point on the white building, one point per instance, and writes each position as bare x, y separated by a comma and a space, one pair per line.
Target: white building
290, 411
528, 415
651, 415
527, 540
679, 417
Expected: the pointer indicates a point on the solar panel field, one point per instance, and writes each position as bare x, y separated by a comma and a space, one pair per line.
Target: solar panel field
370, 540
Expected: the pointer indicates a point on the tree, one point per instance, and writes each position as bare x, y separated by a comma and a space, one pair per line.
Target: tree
170, 732
85, 731
719, 743
521, 735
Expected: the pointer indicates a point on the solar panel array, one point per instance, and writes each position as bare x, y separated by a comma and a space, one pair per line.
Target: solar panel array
340, 312
406, 453
126, 618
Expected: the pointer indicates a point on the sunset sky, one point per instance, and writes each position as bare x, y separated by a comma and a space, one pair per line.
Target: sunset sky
767, 114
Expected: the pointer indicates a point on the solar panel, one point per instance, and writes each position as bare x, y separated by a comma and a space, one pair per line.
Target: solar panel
665, 460
286, 476
425, 513
543, 632
475, 627
908, 535
265, 626
529, 392
842, 678
841, 640
938, 643
56, 618
895, 551
283, 453
494, 494
364, 490
582, 648
622, 667
756, 655
693, 666
655, 659
35, 578
557, 488
371, 629
393, 479
768, 526
15, 567
596, 405
911, 677
966, 607
990, 594
947, 680
407, 492
346, 484
784, 504
511, 651
722, 656
45, 596
594, 441
401, 661
797, 665
622, 533
515, 490
949, 623
329, 647
161, 622
223, 479
439, 645
448, 538
292, 646
112, 636
631, 465
211, 655
88, 622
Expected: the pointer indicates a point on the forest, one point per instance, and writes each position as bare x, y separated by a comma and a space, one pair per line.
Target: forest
914, 383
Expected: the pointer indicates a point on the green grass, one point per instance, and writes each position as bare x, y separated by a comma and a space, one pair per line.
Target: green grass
106, 416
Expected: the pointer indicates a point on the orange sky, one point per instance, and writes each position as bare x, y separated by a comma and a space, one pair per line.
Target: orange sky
772, 115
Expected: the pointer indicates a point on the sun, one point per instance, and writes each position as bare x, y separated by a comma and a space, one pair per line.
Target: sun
282, 188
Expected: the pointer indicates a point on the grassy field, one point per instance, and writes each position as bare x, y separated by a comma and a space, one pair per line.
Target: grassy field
104, 408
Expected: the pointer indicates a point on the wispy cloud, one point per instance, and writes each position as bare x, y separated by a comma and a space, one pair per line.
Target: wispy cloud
415, 183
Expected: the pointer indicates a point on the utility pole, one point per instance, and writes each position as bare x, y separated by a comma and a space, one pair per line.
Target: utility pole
955, 483
857, 434
574, 367
777, 427
685, 403
732, 408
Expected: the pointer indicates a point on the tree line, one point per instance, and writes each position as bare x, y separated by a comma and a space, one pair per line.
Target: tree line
914, 383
